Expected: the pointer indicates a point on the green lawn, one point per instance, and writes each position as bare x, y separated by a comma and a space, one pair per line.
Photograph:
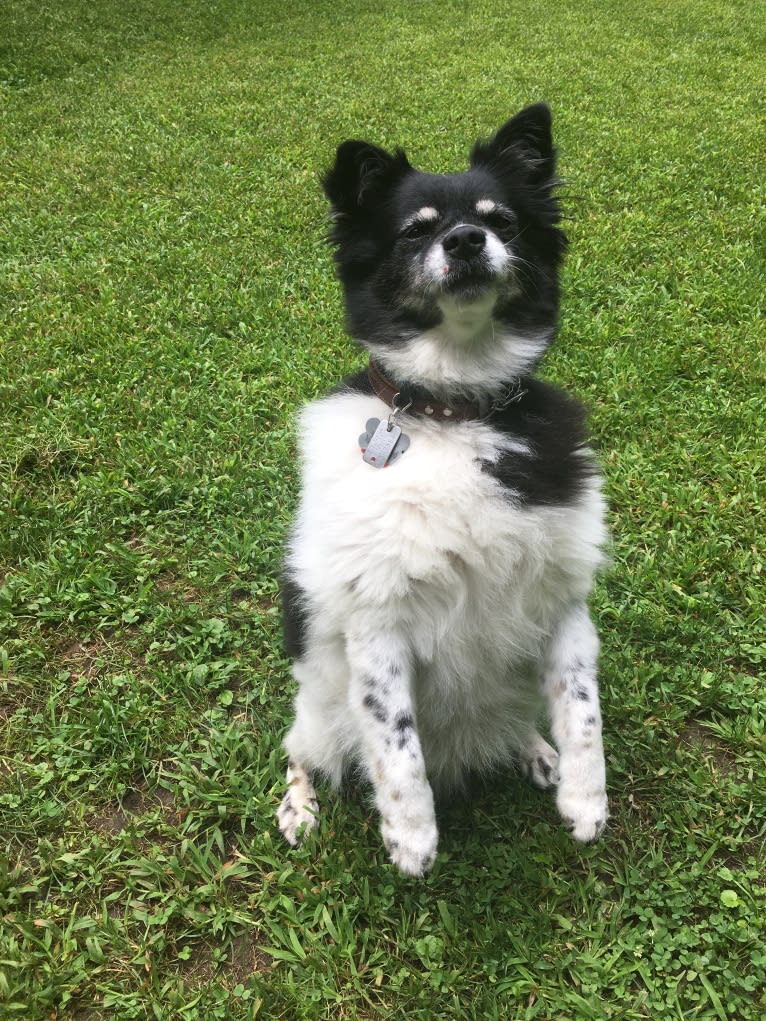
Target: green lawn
167, 301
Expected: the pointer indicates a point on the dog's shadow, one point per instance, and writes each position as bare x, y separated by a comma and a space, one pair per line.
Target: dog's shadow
502, 807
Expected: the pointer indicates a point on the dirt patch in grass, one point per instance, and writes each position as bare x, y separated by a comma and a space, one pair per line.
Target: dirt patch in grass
84, 659
696, 737
175, 588
247, 958
135, 805
244, 958
49, 460
266, 603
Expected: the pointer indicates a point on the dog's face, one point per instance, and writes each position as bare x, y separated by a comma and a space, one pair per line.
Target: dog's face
453, 237
416, 251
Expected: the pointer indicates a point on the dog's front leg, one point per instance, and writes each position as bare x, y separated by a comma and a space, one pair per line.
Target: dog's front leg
381, 701
570, 685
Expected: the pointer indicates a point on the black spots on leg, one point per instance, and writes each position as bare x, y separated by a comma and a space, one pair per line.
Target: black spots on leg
589, 726
377, 684
376, 707
287, 807
574, 684
425, 864
404, 724
576, 670
545, 768
573, 679
403, 721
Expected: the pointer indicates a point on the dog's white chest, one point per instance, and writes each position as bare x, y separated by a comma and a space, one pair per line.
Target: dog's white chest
432, 539
433, 496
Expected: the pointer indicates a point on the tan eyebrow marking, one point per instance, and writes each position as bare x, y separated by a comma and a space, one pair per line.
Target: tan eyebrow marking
424, 215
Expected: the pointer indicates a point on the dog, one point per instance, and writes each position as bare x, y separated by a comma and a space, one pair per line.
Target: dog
451, 519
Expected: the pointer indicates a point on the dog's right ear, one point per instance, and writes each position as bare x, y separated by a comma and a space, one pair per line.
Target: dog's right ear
361, 173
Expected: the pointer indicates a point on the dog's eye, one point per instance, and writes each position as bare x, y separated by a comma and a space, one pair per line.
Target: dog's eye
500, 221
417, 229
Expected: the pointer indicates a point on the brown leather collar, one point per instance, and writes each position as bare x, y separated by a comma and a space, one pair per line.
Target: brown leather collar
400, 399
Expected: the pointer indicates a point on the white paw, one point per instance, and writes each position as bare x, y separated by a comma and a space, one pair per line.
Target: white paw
539, 763
584, 812
412, 849
298, 812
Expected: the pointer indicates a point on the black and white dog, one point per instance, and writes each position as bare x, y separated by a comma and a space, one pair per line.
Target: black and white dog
451, 519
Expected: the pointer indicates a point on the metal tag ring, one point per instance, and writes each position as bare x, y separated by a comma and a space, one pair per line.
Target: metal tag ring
395, 410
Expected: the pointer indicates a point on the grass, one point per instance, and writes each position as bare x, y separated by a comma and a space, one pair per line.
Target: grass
167, 303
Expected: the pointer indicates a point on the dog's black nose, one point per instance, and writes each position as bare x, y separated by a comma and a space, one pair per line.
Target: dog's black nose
464, 241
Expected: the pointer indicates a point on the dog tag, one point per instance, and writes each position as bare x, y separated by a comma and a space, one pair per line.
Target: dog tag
382, 445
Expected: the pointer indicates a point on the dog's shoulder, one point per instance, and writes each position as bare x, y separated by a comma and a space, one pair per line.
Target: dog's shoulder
545, 459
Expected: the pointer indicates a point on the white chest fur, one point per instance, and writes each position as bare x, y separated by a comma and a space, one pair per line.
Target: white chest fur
433, 543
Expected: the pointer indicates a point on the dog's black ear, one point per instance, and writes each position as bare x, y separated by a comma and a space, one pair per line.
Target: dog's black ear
360, 174
524, 142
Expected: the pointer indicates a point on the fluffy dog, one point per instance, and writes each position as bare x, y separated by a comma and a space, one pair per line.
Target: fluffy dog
451, 519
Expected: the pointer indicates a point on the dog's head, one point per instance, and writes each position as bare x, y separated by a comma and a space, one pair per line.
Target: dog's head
462, 259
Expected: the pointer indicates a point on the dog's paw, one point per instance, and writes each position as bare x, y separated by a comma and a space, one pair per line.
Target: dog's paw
584, 813
539, 763
412, 849
298, 812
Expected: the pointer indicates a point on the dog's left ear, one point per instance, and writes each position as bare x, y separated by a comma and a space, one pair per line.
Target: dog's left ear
525, 142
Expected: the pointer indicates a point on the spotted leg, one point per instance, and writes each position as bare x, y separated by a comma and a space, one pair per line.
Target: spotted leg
380, 697
570, 685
